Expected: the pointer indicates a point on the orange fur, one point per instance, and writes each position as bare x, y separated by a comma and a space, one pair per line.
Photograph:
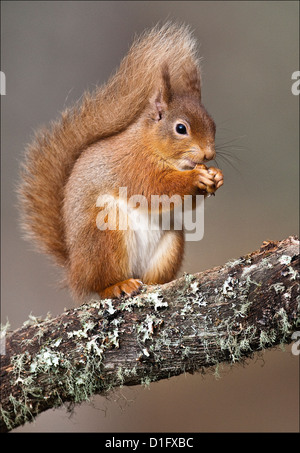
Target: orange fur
122, 135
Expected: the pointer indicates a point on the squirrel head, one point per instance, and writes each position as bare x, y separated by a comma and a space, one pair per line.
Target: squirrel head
183, 131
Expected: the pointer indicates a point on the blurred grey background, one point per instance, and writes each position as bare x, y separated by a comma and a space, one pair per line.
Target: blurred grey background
51, 52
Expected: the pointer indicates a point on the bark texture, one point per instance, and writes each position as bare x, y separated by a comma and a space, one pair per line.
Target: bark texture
224, 314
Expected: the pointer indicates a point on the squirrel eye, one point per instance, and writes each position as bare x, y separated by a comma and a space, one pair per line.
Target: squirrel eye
181, 129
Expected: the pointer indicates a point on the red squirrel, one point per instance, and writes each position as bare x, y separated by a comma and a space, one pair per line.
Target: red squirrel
146, 130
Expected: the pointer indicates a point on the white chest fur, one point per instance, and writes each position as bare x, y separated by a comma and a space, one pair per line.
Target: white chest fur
143, 241
147, 241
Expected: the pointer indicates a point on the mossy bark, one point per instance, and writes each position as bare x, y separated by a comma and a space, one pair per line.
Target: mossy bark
198, 321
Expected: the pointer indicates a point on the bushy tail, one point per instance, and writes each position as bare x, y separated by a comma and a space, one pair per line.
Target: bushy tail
110, 109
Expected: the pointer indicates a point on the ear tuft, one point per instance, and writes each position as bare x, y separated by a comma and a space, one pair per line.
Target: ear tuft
166, 84
164, 96
193, 81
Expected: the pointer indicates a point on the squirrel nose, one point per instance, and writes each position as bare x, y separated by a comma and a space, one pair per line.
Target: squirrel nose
209, 153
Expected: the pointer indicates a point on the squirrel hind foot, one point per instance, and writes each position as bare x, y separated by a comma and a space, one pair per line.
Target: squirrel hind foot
129, 287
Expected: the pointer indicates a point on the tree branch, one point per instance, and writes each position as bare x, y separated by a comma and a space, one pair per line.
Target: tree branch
221, 315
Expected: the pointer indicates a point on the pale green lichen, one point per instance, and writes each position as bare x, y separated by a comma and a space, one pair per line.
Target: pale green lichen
146, 328
112, 339
187, 309
189, 278
229, 285
132, 302
216, 371
285, 259
298, 309
56, 342
234, 263
266, 263
120, 376
21, 411
108, 305
146, 381
92, 346
87, 326
249, 281
7, 419
34, 320
231, 345
18, 362
243, 309
278, 287
284, 324
63, 376
155, 299
219, 338
194, 286
266, 338
294, 273
247, 270
45, 361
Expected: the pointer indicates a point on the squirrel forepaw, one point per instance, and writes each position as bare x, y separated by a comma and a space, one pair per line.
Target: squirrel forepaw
209, 179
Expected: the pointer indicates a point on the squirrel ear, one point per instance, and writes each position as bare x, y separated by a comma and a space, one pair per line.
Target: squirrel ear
159, 106
166, 84
164, 95
193, 81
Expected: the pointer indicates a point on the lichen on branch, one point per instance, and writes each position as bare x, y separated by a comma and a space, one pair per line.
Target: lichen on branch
222, 315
